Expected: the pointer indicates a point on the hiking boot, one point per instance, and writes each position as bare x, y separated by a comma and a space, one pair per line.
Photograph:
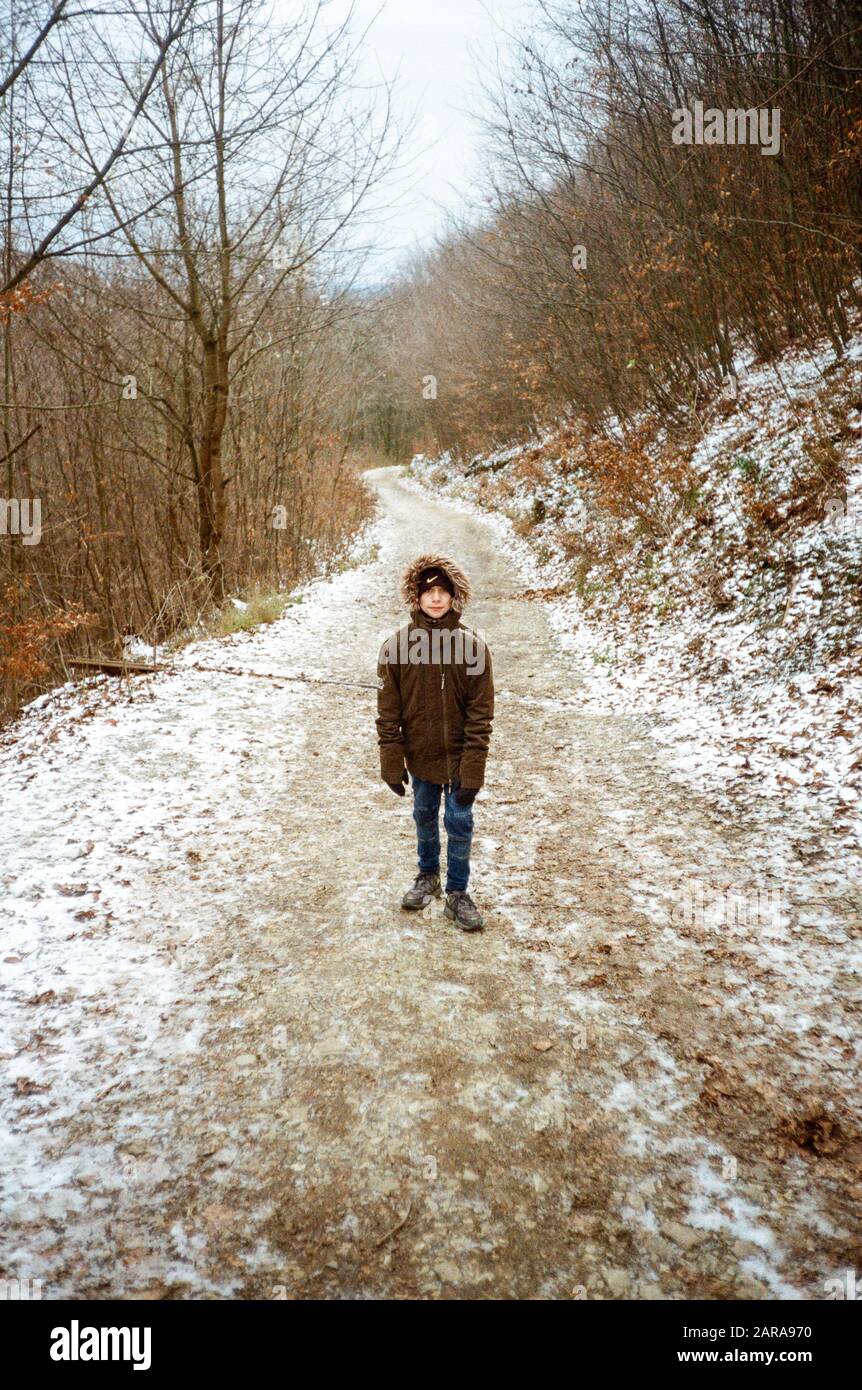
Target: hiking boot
463, 911
426, 887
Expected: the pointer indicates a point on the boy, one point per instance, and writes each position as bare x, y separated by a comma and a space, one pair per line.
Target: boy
435, 705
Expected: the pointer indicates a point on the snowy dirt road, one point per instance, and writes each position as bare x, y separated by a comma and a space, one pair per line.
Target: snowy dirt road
234, 1068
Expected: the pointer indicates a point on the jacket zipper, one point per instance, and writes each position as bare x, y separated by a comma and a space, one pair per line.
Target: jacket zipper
445, 726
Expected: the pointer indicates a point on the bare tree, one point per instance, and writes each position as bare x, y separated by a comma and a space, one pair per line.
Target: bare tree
256, 163
615, 270
62, 42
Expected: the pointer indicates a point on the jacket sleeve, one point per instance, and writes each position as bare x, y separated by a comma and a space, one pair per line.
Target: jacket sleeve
478, 717
389, 714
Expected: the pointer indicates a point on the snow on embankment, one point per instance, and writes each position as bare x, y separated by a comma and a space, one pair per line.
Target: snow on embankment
135, 817
726, 599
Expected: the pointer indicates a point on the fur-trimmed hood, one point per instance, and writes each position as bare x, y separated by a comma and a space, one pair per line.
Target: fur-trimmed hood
460, 582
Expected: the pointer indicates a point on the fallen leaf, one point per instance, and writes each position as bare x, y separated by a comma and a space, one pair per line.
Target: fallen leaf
25, 1087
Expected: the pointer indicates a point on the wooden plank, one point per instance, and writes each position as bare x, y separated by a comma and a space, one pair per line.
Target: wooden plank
112, 666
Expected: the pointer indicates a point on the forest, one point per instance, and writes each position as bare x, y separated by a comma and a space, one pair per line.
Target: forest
193, 366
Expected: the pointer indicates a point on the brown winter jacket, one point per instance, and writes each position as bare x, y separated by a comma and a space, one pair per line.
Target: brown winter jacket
434, 711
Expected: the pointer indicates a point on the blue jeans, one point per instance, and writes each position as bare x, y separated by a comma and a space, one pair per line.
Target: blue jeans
458, 821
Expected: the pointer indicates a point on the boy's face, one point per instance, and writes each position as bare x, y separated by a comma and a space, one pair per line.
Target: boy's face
435, 601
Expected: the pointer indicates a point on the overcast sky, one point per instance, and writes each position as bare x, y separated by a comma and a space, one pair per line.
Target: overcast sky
434, 46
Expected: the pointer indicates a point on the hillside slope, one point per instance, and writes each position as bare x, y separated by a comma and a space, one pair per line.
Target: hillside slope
712, 582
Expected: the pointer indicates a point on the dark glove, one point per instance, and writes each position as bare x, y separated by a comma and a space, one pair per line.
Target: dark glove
398, 787
463, 795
